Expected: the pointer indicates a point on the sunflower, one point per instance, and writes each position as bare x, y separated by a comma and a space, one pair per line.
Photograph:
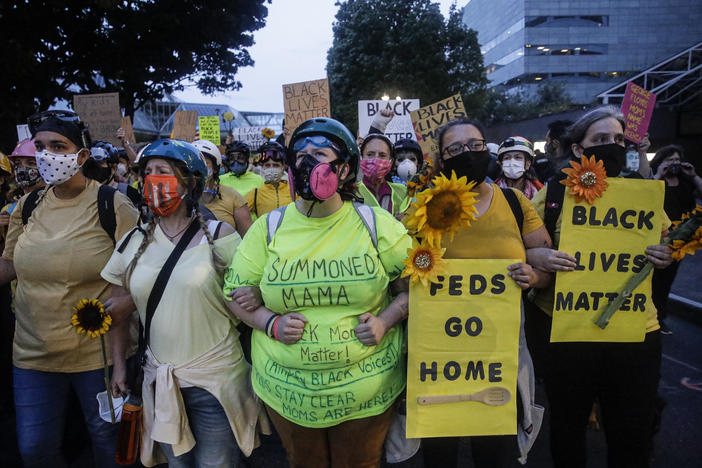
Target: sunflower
442, 209
89, 317
682, 248
423, 263
268, 133
586, 180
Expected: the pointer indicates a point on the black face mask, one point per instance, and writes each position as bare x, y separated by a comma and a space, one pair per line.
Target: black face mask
302, 174
238, 168
471, 164
26, 176
612, 155
93, 170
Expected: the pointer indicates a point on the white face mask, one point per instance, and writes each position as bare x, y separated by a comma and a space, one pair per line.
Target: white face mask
272, 175
513, 169
121, 170
56, 168
406, 169
209, 173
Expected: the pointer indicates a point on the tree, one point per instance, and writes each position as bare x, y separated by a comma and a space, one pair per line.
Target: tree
142, 49
401, 47
514, 105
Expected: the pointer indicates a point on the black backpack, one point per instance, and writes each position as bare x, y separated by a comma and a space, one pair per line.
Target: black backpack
106, 208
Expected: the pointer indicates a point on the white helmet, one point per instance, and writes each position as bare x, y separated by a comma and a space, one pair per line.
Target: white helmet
210, 148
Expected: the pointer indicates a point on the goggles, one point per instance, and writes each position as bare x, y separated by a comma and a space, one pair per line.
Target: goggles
509, 142
319, 141
99, 154
273, 155
40, 117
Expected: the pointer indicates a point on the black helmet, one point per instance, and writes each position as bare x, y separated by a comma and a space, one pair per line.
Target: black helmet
378, 136
336, 132
408, 144
238, 147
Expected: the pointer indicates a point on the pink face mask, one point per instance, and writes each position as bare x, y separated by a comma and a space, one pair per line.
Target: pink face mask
375, 169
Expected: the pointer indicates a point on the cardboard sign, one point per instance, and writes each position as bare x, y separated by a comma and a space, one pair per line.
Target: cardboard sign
101, 113
208, 127
637, 108
303, 101
128, 130
608, 239
23, 132
463, 339
401, 124
184, 125
427, 121
250, 135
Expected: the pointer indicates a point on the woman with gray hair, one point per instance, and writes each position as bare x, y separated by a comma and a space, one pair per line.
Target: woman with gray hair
622, 376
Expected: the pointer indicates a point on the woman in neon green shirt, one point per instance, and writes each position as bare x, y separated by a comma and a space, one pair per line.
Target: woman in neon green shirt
326, 353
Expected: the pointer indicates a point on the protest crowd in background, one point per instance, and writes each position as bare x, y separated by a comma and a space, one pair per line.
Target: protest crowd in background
228, 296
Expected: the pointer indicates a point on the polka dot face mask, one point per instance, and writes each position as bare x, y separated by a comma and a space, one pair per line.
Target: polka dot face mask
56, 168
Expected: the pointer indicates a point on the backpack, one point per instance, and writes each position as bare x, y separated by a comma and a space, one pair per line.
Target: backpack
106, 208
514, 205
365, 212
555, 191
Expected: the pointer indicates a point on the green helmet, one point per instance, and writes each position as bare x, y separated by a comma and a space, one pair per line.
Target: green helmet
336, 132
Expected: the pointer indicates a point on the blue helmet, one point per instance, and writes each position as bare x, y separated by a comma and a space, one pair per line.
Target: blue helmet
176, 150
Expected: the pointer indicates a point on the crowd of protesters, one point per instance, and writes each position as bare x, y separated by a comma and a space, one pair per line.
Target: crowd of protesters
183, 244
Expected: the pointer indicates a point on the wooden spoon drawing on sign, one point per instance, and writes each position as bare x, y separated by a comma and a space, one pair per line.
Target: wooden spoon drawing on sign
493, 396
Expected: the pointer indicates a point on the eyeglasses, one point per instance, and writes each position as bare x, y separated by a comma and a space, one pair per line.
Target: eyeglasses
457, 148
40, 117
509, 142
320, 141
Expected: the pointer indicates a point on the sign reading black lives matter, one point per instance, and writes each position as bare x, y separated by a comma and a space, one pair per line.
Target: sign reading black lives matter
401, 124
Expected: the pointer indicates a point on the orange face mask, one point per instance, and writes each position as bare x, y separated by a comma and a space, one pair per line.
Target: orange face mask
161, 194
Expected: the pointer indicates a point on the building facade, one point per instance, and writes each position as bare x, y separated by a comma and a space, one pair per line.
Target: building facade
588, 45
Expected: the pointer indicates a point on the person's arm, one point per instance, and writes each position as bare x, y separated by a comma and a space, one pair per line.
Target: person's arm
688, 171
644, 167
119, 305
371, 328
7, 271
121, 134
119, 341
242, 218
288, 329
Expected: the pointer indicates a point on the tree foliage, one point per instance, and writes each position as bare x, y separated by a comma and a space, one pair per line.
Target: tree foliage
401, 47
512, 106
143, 49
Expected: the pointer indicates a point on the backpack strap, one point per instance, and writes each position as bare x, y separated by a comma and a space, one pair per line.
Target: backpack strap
515, 206
273, 221
367, 215
126, 240
255, 201
555, 191
29, 204
215, 236
106, 210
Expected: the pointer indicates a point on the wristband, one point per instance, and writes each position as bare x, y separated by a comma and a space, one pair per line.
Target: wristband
275, 328
267, 329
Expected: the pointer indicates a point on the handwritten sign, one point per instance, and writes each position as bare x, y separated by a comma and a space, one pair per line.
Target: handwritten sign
184, 125
101, 113
637, 108
303, 101
427, 121
128, 130
401, 124
608, 240
463, 339
250, 135
209, 129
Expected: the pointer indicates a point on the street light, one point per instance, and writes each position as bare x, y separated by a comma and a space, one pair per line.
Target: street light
398, 98
385, 97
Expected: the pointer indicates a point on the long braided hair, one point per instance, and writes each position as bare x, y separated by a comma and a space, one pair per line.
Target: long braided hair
187, 180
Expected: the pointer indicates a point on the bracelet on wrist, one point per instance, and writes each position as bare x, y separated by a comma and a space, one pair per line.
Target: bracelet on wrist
268, 329
275, 328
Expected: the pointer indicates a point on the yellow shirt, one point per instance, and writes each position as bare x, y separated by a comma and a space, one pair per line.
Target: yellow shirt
543, 298
242, 184
328, 270
58, 257
495, 233
267, 198
224, 208
192, 316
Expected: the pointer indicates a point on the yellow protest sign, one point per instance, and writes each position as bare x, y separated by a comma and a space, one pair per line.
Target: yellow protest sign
608, 239
303, 101
463, 344
429, 119
209, 129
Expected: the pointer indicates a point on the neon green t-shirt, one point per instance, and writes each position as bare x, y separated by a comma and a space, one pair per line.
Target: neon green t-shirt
328, 270
242, 184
